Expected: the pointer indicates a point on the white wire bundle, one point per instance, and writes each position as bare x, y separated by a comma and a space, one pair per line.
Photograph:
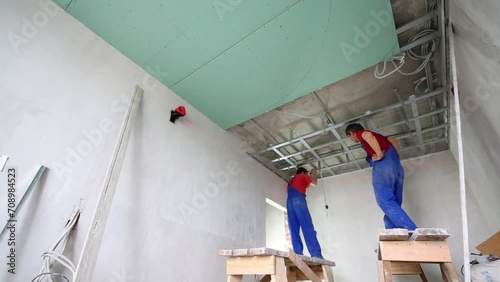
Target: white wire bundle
424, 55
51, 257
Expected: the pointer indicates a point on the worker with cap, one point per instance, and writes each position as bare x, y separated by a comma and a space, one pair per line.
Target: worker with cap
387, 174
298, 213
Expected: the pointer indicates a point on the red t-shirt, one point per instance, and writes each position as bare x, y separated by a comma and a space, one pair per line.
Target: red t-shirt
300, 182
382, 141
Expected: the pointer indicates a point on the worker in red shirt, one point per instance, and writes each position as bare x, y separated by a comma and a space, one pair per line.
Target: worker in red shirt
298, 213
387, 175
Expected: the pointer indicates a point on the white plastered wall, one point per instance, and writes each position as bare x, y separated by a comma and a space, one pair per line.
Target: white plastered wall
186, 190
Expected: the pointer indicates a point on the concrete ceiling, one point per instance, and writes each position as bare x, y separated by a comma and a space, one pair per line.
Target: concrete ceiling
309, 131
235, 59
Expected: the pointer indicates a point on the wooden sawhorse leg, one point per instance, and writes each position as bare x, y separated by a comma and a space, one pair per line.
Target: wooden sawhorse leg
384, 271
280, 273
448, 272
234, 278
327, 273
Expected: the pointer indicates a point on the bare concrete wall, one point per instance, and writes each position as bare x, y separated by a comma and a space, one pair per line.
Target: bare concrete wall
348, 233
477, 36
186, 190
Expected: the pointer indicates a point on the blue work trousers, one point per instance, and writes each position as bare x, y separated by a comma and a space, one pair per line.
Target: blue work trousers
387, 180
299, 217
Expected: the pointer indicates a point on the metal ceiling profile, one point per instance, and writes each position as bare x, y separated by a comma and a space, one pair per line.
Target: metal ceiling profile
294, 162
419, 120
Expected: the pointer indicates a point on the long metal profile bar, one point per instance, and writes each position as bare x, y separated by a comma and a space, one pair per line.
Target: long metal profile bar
318, 158
283, 157
444, 53
358, 147
269, 165
3, 161
346, 149
442, 29
345, 139
381, 110
431, 113
401, 150
417, 22
324, 158
276, 170
276, 151
420, 41
313, 148
461, 169
405, 135
418, 126
349, 150
88, 258
25, 196
407, 122
429, 129
332, 121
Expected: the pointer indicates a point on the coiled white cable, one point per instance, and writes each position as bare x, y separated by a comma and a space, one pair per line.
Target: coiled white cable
50, 258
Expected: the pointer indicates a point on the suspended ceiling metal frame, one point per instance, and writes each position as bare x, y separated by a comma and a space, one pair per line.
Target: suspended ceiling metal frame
322, 158
319, 161
396, 106
334, 131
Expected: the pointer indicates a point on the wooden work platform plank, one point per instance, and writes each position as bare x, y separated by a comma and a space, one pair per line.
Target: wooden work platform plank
251, 265
268, 251
415, 251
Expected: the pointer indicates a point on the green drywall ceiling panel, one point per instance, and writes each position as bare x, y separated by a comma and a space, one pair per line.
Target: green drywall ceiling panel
236, 59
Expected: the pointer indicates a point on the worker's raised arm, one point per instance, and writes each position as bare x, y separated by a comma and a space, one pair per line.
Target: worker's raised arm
394, 142
314, 177
372, 141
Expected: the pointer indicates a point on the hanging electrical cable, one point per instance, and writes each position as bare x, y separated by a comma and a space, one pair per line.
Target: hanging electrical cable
323, 188
425, 55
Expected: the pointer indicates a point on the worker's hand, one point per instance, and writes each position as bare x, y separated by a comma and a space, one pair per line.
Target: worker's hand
377, 157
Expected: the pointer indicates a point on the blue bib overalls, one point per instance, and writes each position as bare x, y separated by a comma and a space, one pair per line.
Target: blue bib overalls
299, 217
387, 179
